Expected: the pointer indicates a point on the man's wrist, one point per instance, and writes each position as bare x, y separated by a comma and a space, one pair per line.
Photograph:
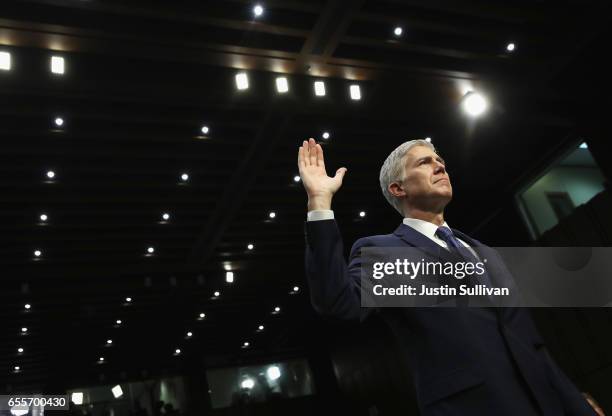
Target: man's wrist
319, 203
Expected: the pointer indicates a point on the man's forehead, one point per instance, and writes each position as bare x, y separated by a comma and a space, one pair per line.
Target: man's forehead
419, 151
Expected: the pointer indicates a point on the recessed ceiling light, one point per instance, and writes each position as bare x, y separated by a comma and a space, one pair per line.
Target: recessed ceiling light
260, 327
5, 61
277, 309
150, 250
204, 129
217, 293
229, 278
109, 341
57, 65
297, 178
20, 350
296, 288
118, 321
398, 31
319, 87
242, 81
24, 330
258, 10
325, 135
474, 104
177, 351
27, 306
59, 122
37, 253
282, 85
355, 91
250, 246
202, 315
165, 216
184, 177
128, 299
43, 217
50, 174
117, 391
17, 368
189, 334
101, 359
510, 47
272, 214
362, 214
583, 145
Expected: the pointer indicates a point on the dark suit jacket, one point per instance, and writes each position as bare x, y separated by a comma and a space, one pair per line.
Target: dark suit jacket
465, 361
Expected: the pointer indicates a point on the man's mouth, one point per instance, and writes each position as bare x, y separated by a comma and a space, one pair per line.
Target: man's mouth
441, 179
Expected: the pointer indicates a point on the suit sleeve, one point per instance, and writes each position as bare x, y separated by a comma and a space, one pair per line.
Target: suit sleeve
334, 285
573, 401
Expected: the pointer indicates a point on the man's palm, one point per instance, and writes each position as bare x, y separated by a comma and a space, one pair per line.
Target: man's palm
312, 171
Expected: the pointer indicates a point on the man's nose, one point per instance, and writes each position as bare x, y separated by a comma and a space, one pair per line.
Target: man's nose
439, 168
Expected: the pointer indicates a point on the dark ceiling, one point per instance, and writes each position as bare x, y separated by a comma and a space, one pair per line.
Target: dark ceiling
143, 77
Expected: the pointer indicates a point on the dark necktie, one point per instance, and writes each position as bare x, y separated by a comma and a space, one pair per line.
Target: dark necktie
454, 245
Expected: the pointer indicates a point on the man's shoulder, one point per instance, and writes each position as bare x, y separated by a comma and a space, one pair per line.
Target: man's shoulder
380, 240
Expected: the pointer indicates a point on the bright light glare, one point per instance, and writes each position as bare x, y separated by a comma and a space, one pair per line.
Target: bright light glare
229, 277
247, 383
5, 61
50, 174
273, 372
59, 122
319, 87
242, 81
77, 397
510, 47
355, 92
325, 135
117, 391
362, 214
584, 146
398, 31
57, 65
258, 10
282, 86
474, 104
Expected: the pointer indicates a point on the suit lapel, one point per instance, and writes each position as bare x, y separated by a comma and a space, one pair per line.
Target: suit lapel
414, 238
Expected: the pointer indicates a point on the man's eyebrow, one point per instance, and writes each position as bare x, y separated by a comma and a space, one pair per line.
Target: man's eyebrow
438, 158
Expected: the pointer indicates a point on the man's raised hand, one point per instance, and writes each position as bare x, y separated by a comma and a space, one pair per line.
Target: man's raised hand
320, 188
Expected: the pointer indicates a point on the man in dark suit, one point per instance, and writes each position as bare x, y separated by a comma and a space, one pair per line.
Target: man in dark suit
465, 361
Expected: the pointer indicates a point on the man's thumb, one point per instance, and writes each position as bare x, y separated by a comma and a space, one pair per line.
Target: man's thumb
340, 173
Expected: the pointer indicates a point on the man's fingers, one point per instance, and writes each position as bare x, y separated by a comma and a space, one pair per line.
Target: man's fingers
305, 153
301, 161
312, 152
320, 158
340, 173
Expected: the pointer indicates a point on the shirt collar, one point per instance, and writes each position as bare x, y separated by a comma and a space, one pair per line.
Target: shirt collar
426, 228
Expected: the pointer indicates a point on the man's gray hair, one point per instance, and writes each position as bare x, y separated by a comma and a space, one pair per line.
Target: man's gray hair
393, 170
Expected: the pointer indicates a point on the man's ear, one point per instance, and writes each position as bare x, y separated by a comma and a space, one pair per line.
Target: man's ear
396, 189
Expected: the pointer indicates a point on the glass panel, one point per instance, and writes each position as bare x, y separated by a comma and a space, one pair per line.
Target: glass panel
571, 181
